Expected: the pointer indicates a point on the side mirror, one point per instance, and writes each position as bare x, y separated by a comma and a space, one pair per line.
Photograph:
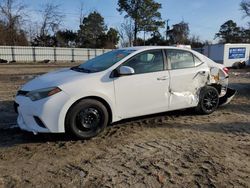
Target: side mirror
126, 70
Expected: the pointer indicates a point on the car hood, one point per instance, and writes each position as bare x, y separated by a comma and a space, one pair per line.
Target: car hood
55, 78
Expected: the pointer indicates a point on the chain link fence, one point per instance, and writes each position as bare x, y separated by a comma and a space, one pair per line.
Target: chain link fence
38, 54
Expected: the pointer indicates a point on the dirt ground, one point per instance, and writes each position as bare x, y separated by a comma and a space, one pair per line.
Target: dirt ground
177, 149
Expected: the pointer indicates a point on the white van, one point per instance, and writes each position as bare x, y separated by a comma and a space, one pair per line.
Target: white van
230, 55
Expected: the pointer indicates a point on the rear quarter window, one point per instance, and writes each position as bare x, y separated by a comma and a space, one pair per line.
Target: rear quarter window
197, 61
180, 59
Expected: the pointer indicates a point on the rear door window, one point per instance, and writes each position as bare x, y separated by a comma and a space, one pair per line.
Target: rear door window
180, 59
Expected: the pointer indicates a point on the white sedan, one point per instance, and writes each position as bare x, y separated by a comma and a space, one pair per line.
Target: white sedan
121, 84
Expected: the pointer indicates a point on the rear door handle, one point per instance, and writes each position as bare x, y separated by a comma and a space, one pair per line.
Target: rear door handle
202, 72
162, 78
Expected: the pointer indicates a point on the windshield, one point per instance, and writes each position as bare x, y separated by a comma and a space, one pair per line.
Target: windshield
103, 61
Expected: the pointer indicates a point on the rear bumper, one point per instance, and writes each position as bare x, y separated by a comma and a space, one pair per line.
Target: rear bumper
227, 97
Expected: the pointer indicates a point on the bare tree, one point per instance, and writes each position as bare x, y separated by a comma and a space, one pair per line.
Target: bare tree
123, 41
12, 15
245, 7
32, 29
126, 33
51, 19
195, 41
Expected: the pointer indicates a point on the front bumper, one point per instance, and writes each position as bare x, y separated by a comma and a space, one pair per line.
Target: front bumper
40, 116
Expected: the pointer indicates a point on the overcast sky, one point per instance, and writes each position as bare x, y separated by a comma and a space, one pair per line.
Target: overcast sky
204, 16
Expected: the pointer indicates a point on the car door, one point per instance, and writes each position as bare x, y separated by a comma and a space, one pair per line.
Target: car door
188, 74
146, 91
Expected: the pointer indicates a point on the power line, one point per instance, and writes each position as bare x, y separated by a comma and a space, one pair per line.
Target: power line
70, 13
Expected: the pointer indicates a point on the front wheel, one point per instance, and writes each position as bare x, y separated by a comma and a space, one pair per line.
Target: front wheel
86, 119
209, 100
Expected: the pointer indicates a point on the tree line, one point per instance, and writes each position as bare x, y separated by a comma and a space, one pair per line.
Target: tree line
142, 18
230, 32
17, 28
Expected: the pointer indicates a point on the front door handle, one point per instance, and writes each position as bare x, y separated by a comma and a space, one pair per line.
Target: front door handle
162, 78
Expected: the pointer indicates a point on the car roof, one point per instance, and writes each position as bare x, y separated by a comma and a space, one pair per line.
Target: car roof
136, 48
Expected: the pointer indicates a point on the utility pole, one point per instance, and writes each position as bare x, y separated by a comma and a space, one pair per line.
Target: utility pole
144, 37
81, 13
167, 28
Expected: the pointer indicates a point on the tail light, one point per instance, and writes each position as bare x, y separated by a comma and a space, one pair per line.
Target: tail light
226, 70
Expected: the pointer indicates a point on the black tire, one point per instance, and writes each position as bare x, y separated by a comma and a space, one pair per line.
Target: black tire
208, 101
86, 119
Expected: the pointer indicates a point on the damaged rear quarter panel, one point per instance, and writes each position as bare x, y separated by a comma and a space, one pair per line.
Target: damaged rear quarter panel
185, 85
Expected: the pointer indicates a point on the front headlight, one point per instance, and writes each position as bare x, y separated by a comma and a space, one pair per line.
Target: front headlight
42, 93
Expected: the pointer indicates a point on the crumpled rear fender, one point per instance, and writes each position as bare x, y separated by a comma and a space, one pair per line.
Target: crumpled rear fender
219, 77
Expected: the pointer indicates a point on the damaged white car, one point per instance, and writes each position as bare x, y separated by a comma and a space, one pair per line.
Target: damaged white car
121, 84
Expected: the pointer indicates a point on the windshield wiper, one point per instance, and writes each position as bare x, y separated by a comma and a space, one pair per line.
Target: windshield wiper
80, 69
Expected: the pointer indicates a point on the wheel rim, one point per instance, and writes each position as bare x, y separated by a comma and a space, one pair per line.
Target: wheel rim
210, 100
88, 119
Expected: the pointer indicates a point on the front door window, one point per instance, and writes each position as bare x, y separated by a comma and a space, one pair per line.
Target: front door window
146, 62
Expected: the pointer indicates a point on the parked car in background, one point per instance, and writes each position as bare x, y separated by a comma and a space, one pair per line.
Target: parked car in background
120, 84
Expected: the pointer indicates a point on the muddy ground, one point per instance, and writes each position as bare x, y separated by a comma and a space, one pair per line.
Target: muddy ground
177, 149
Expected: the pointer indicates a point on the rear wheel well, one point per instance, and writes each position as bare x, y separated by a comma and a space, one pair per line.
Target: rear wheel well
98, 99
217, 87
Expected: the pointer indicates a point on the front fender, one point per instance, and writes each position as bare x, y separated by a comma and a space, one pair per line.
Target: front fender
69, 103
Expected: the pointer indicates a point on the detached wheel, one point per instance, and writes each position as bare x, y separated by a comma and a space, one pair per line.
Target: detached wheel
209, 100
86, 119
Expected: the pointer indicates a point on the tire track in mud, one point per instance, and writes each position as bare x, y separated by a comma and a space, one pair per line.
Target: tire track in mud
152, 164
150, 160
